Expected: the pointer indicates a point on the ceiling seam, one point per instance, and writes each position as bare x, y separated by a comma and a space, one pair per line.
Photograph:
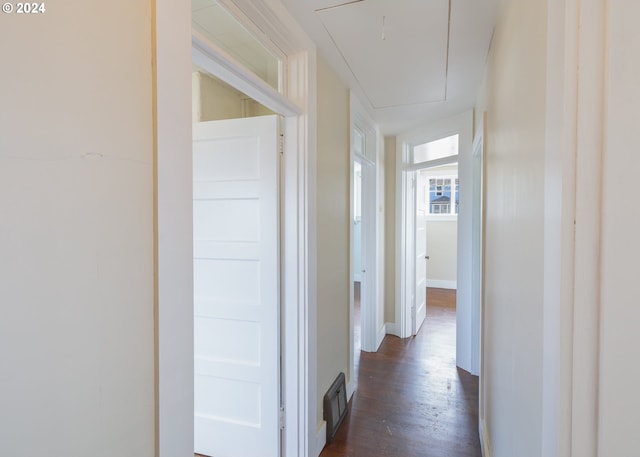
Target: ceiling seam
338, 6
347, 64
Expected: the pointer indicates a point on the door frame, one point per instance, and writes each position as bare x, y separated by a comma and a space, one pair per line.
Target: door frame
409, 262
477, 247
462, 125
372, 303
368, 250
174, 47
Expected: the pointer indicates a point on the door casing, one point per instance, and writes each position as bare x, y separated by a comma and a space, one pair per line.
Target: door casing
372, 293
174, 52
461, 125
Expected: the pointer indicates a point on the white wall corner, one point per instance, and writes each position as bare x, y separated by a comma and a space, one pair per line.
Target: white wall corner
321, 439
391, 328
484, 439
382, 331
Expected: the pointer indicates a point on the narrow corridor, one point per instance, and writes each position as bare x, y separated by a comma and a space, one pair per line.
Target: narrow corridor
412, 400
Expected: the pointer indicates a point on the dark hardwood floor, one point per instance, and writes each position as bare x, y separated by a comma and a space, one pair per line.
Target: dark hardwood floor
412, 400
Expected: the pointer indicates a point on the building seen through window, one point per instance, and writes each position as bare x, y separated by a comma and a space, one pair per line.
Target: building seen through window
441, 192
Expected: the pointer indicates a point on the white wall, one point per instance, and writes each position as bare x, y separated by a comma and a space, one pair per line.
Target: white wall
214, 100
390, 229
174, 237
332, 229
514, 98
76, 232
442, 237
619, 402
442, 249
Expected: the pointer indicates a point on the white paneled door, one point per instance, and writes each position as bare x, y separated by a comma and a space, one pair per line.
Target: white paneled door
420, 308
236, 287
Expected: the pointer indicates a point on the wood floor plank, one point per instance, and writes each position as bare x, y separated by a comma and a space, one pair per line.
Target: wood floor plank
412, 400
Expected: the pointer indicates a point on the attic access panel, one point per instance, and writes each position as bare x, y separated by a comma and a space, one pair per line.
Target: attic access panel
399, 60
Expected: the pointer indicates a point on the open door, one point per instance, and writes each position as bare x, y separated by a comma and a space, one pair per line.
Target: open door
236, 287
420, 307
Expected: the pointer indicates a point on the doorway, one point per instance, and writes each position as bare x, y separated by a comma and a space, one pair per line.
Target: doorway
248, 259
236, 268
432, 203
358, 272
365, 303
437, 205
417, 150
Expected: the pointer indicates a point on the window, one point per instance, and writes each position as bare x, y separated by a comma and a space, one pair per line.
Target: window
441, 190
212, 20
445, 147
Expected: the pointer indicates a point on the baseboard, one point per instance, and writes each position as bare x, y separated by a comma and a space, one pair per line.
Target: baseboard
484, 439
350, 390
380, 336
442, 284
391, 328
321, 439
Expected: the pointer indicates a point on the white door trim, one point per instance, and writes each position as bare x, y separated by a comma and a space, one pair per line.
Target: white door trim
477, 246
216, 61
173, 237
174, 278
576, 40
371, 318
405, 170
368, 250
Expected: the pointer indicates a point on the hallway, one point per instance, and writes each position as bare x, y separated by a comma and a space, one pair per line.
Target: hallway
412, 401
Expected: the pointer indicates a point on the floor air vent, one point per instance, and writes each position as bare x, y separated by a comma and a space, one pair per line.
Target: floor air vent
335, 406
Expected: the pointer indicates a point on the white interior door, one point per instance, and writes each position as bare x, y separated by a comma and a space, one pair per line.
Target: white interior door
236, 287
368, 259
420, 307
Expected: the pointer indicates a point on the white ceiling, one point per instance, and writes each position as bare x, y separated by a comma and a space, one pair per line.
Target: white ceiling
409, 61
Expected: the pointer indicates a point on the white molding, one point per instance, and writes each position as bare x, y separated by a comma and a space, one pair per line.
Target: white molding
273, 25
442, 284
575, 111
391, 328
321, 439
351, 388
485, 446
174, 233
403, 294
219, 63
298, 224
373, 272
382, 331
477, 245
590, 136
